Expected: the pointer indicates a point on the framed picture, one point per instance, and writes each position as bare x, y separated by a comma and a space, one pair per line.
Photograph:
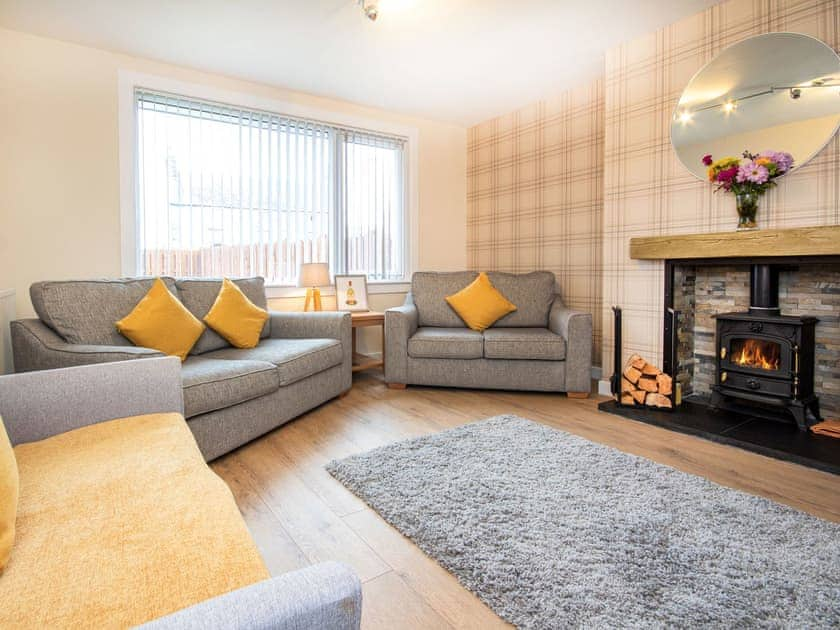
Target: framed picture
351, 293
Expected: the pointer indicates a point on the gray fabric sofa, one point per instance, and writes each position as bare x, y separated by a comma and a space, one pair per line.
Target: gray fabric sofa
231, 396
40, 405
542, 346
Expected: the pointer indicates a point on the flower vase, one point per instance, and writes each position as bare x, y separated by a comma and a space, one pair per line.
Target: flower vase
747, 205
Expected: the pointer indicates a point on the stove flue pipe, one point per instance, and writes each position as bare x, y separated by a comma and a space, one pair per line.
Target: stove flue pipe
764, 290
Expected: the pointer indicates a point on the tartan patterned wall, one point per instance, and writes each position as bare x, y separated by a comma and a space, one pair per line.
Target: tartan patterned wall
535, 195
648, 192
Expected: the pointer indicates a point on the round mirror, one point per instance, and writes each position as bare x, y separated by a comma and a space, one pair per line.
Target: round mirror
773, 92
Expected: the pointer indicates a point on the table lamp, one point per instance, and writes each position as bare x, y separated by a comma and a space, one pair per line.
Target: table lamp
312, 276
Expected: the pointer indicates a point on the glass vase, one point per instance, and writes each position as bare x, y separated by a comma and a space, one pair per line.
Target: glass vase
747, 205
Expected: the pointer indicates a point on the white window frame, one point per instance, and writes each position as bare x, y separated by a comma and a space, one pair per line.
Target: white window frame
129, 81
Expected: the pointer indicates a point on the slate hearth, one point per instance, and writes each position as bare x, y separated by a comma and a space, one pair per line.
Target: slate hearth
781, 440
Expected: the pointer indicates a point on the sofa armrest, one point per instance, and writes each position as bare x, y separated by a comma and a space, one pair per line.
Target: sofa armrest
401, 323
318, 325
576, 328
325, 596
36, 346
37, 405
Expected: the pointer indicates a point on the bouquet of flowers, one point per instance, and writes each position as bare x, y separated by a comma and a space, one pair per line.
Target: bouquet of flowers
749, 173
748, 177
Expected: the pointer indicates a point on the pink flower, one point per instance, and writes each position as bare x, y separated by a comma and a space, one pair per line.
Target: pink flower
727, 174
707, 159
752, 172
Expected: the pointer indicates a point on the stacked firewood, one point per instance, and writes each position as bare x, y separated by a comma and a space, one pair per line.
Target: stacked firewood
645, 384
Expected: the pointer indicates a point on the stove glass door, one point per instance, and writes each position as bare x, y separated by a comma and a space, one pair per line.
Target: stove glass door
759, 354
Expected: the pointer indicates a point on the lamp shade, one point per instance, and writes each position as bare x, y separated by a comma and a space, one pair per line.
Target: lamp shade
314, 275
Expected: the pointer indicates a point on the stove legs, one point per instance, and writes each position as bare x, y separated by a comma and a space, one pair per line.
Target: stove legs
805, 412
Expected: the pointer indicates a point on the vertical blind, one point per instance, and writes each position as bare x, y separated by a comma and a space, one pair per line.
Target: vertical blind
224, 191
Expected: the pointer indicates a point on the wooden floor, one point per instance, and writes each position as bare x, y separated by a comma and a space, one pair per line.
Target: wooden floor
298, 514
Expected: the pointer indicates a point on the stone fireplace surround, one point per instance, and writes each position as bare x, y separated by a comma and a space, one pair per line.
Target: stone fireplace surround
702, 291
707, 274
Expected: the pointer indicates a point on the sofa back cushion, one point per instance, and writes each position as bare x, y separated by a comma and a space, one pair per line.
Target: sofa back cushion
429, 290
531, 293
199, 294
85, 311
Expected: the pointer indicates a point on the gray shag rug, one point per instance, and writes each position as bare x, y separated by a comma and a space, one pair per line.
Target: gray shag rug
554, 531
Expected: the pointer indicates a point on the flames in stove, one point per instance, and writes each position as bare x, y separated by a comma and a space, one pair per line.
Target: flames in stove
754, 353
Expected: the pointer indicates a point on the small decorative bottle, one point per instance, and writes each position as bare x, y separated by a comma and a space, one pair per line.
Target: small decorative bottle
350, 299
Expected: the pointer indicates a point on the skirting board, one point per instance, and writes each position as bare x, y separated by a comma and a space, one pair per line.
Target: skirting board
604, 387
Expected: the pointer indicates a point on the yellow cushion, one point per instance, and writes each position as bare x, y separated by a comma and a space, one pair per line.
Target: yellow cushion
480, 304
120, 523
9, 487
235, 317
161, 322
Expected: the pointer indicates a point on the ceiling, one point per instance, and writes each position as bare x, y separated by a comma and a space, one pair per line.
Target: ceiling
458, 61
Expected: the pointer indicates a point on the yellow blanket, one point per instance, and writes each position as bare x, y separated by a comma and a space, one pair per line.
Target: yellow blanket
120, 523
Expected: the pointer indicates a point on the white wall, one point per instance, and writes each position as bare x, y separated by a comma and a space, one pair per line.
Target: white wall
59, 164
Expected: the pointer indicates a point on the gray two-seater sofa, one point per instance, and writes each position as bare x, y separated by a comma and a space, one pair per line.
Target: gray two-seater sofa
231, 395
542, 346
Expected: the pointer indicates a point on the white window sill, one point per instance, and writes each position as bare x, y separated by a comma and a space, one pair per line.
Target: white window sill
373, 288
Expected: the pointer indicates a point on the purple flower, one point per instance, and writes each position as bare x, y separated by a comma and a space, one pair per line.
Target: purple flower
752, 172
782, 159
707, 159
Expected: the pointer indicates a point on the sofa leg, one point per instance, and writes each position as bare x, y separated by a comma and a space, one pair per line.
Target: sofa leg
396, 385
577, 394
344, 393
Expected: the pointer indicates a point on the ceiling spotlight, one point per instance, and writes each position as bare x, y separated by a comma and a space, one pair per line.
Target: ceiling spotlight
795, 93
371, 8
729, 106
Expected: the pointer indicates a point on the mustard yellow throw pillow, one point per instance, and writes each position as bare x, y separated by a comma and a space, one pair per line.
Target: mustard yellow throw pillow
9, 488
480, 304
161, 322
235, 317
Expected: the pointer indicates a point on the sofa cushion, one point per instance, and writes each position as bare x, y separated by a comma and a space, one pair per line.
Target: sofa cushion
532, 293
119, 523
84, 311
160, 321
235, 317
198, 295
480, 304
211, 384
429, 290
295, 358
523, 343
446, 343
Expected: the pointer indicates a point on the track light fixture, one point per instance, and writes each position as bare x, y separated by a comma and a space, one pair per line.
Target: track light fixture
729, 106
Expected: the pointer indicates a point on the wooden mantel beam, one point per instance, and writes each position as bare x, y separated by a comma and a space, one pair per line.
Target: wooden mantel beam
808, 241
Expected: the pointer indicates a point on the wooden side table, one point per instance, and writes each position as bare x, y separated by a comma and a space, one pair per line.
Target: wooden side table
362, 320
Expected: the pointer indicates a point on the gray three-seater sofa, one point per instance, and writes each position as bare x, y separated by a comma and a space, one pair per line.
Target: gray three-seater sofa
231, 395
542, 346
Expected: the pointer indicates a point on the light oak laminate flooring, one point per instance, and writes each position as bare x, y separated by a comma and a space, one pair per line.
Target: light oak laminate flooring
298, 514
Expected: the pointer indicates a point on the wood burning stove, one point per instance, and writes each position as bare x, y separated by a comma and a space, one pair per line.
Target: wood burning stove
764, 358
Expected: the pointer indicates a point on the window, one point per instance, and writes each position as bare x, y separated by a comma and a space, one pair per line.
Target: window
224, 191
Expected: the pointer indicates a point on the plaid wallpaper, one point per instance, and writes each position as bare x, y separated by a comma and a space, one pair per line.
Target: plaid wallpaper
648, 192
535, 195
